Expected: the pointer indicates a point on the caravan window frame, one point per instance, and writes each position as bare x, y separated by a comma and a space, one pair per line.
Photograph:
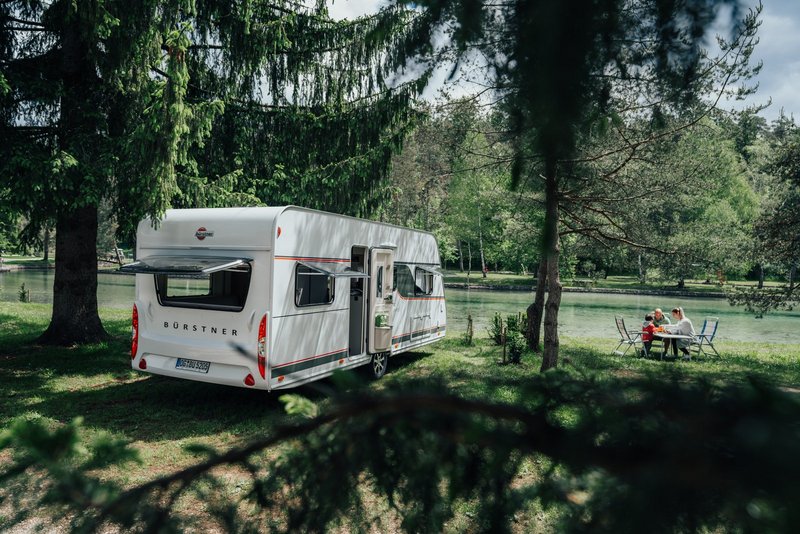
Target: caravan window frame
427, 274
403, 283
331, 286
204, 301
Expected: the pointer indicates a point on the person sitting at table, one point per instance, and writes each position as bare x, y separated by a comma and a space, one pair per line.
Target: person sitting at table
659, 319
648, 328
683, 327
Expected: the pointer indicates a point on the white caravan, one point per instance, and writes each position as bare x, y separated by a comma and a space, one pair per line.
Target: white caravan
274, 297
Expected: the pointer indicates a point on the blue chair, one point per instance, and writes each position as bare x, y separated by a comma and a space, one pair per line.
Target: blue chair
705, 339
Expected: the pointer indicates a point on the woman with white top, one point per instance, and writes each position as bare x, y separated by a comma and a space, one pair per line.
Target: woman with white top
683, 327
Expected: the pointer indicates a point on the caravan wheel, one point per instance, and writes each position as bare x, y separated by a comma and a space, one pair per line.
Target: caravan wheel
379, 363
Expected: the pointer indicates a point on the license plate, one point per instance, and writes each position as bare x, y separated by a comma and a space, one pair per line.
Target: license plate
196, 366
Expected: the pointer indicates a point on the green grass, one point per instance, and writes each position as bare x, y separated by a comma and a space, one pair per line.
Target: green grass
28, 261
160, 416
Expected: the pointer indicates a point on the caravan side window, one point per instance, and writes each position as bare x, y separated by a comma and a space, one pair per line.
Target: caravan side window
403, 280
423, 282
312, 288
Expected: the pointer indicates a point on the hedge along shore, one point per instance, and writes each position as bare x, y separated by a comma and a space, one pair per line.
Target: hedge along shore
652, 292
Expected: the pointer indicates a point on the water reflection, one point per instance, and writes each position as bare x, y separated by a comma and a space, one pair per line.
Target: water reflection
581, 314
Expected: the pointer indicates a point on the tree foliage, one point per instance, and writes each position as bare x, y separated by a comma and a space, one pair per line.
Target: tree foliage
603, 460
190, 103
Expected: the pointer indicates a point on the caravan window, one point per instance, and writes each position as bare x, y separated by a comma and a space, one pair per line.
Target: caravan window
423, 282
222, 290
312, 287
403, 280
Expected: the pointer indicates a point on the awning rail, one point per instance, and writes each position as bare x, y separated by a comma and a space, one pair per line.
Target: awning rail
197, 265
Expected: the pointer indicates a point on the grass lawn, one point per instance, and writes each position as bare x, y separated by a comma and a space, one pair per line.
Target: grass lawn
28, 261
160, 416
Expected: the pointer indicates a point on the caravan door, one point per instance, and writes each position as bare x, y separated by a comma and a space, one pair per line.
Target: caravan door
381, 307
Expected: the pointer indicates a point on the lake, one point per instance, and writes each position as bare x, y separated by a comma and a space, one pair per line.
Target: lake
581, 314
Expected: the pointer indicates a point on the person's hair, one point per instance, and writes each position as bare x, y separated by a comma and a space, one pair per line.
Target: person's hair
679, 310
648, 317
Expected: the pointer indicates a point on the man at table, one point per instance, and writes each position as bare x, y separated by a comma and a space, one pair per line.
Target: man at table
659, 319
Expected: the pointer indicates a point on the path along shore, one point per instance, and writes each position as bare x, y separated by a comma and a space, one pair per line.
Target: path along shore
608, 290
477, 287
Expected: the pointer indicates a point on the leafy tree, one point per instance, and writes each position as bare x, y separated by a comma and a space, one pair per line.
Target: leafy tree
778, 229
187, 103
564, 68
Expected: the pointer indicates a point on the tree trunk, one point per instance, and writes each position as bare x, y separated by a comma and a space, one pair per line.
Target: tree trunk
75, 318
760, 276
480, 243
642, 271
46, 244
792, 276
681, 283
552, 251
460, 257
536, 308
469, 259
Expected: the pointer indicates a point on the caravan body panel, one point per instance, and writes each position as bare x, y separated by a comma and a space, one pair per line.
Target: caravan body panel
307, 279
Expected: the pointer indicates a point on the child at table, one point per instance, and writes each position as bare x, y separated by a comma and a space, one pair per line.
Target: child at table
648, 329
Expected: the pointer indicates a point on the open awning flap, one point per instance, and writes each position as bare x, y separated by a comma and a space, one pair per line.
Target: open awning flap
183, 264
432, 270
337, 270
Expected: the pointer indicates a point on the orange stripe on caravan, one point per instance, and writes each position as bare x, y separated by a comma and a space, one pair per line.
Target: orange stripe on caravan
422, 298
310, 258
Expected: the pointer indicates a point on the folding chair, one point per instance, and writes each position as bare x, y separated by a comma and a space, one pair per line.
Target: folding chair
629, 338
704, 340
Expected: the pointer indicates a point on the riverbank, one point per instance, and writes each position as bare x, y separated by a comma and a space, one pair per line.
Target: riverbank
601, 290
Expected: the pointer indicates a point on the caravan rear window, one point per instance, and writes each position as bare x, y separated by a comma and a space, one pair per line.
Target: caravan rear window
222, 290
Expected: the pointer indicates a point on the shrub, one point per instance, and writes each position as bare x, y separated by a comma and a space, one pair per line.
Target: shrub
515, 344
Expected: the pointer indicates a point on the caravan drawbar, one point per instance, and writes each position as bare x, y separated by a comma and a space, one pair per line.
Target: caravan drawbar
274, 297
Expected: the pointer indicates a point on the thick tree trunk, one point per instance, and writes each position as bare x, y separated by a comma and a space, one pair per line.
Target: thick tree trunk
460, 257
536, 308
760, 276
681, 283
75, 318
792, 276
552, 251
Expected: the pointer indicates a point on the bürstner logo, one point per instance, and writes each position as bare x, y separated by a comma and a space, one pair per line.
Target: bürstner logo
202, 233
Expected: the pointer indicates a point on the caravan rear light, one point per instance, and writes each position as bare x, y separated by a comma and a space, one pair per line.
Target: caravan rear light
142, 364
249, 380
134, 332
262, 347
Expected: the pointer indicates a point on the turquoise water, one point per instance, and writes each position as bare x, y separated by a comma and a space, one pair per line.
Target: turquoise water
592, 314
113, 290
581, 314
